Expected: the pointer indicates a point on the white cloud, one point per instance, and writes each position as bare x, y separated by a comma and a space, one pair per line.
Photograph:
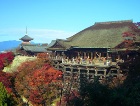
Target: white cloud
45, 35
39, 35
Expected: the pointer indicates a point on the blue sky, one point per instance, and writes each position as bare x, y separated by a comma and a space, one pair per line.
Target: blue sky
59, 19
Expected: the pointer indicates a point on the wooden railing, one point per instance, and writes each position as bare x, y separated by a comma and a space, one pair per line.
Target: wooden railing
97, 61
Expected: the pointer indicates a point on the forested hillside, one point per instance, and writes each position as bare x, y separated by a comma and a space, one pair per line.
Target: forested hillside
36, 82
33, 80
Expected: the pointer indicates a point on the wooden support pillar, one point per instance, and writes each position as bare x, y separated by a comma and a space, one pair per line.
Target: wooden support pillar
54, 53
87, 74
118, 72
78, 55
71, 68
119, 56
100, 54
94, 55
84, 55
88, 55
79, 72
91, 55
79, 75
96, 71
105, 72
107, 55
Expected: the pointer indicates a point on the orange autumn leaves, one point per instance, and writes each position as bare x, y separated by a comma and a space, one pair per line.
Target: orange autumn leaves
37, 80
45, 75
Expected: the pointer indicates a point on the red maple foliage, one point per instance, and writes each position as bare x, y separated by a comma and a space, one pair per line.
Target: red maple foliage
38, 81
5, 79
44, 81
6, 59
1, 65
130, 36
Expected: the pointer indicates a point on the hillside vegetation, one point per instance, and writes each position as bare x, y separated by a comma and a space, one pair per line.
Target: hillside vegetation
34, 79
29, 78
16, 62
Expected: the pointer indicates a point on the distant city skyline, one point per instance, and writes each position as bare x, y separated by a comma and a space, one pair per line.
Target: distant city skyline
48, 20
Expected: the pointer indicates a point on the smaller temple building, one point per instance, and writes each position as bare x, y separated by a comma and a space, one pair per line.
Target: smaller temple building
26, 48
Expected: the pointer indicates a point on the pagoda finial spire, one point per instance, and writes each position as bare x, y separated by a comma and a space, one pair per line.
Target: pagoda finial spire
26, 30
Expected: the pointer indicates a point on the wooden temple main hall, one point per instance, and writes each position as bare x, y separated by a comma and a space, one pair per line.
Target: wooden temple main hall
96, 51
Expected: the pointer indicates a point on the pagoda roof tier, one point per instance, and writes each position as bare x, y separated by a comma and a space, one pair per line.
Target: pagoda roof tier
26, 38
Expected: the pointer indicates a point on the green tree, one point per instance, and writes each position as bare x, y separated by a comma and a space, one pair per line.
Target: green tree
5, 98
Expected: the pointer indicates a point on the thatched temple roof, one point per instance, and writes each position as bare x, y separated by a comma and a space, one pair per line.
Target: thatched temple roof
100, 35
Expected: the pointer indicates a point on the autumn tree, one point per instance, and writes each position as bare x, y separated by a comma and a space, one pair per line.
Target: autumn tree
131, 36
38, 81
5, 78
6, 59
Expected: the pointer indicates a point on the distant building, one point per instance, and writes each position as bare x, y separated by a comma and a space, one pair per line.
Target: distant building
26, 39
26, 48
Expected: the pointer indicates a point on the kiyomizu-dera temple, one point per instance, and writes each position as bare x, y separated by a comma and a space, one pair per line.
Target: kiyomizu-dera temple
100, 40
97, 48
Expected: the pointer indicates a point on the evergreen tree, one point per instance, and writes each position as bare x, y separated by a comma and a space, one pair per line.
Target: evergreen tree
5, 98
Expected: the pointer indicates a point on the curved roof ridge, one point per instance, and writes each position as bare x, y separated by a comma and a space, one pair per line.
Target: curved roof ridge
26, 37
110, 22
